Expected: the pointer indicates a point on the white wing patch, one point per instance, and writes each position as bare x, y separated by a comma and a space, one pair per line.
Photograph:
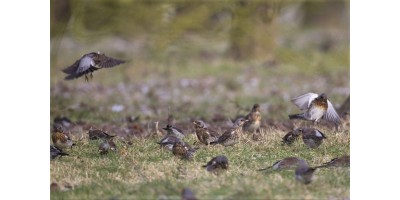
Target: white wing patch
304, 101
318, 134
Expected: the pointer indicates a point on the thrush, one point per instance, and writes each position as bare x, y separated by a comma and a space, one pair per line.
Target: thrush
171, 130
217, 163
107, 145
89, 63
254, 120
343, 161
95, 134
63, 122
311, 137
187, 194
315, 107
290, 137
286, 163
61, 140
304, 173
231, 136
168, 141
182, 150
204, 134
56, 152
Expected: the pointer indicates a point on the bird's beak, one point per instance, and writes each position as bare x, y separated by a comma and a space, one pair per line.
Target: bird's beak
194, 122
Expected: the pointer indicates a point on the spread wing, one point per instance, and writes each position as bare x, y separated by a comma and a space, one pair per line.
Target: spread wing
304, 101
71, 69
331, 114
107, 62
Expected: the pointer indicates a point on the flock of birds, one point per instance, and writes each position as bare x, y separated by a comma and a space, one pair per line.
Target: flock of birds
314, 107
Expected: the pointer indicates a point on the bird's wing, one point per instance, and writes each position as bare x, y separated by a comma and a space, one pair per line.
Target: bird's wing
304, 101
71, 69
331, 114
109, 62
224, 136
85, 64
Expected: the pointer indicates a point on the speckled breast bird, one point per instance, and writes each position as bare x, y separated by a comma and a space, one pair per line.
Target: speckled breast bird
204, 134
187, 194
95, 134
254, 120
171, 130
168, 141
183, 150
315, 107
107, 145
286, 163
61, 140
343, 161
89, 63
56, 152
311, 137
217, 163
304, 173
290, 137
231, 136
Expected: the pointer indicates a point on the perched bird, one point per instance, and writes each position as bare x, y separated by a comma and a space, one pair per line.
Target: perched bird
254, 120
171, 130
95, 134
89, 63
231, 136
311, 137
168, 141
56, 152
304, 173
286, 163
183, 150
217, 163
315, 107
290, 137
61, 140
107, 145
343, 161
187, 194
204, 134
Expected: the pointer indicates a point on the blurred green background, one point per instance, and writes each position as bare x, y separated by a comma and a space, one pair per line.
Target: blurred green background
201, 57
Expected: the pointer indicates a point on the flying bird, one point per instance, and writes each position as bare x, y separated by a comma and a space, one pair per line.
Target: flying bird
315, 107
304, 173
286, 163
89, 63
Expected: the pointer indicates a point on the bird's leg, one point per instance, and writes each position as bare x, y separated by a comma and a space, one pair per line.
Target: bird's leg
91, 76
86, 78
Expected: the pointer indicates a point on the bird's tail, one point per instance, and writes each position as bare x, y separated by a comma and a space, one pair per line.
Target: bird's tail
70, 77
264, 169
322, 166
297, 116
214, 142
63, 154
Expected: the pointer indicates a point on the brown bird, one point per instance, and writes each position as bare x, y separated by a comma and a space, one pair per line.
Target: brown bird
95, 134
183, 150
217, 163
290, 137
204, 134
254, 120
107, 145
187, 194
343, 161
231, 136
61, 140
315, 107
89, 63
311, 137
286, 163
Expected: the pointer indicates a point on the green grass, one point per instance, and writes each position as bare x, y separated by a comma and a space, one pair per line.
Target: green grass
144, 170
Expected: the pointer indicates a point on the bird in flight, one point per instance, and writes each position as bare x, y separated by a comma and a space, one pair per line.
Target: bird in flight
89, 63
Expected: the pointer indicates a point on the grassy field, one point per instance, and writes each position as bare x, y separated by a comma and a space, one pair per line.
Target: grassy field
215, 90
